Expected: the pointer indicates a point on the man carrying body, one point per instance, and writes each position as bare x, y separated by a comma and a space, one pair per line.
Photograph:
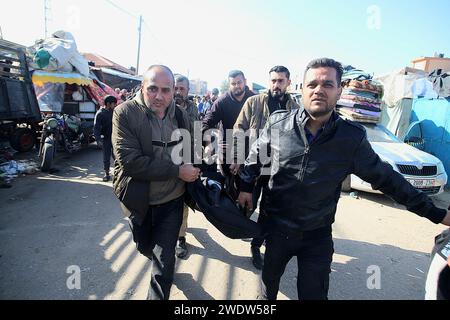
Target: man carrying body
227, 107
142, 131
311, 151
252, 119
181, 99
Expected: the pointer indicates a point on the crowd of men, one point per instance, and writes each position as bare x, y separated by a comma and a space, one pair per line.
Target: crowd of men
297, 184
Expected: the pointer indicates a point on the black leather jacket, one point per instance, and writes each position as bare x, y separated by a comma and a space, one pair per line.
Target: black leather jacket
305, 179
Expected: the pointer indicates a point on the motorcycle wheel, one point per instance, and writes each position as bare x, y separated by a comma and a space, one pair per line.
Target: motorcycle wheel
48, 154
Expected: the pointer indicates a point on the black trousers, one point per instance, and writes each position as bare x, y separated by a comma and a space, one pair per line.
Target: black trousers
156, 238
314, 252
107, 154
257, 242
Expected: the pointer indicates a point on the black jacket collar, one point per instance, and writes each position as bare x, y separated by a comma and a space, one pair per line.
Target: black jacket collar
303, 117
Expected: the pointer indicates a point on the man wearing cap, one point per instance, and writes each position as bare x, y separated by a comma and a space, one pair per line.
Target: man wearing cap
251, 120
181, 99
103, 130
214, 94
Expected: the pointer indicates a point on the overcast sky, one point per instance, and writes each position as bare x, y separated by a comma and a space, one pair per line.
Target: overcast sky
206, 39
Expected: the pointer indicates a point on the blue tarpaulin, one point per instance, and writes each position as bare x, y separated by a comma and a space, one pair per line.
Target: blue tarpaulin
434, 117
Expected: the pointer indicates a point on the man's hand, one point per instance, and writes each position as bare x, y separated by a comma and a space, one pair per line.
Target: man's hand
234, 168
245, 200
188, 173
446, 220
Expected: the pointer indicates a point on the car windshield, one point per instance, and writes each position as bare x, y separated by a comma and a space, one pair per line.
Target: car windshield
378, 133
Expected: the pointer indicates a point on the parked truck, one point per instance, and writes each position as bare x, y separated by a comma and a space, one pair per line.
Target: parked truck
19, 110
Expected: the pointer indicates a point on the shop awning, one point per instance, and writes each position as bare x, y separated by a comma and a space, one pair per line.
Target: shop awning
122, 74
40, 77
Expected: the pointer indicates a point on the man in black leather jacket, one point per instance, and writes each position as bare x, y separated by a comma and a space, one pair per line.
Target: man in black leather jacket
308, 153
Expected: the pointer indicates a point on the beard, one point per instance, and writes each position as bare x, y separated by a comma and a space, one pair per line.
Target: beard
317, 112
238, 92
278, 94
179, 99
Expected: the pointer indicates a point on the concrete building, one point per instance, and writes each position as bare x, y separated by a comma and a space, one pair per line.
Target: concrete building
428, 64
198, 87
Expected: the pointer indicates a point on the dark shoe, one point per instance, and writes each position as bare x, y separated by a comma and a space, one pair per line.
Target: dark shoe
106, 178
181, 249
256, 258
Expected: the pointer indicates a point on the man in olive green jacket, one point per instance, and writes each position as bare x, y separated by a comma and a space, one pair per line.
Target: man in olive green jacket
143, 142
182, 100
252, 118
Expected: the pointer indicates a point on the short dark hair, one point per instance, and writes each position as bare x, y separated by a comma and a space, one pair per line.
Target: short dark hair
326, 63
235, 73
109, 99
181, 78
281, 69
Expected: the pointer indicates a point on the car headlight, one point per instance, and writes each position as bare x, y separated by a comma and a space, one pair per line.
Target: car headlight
440, 167
52, 123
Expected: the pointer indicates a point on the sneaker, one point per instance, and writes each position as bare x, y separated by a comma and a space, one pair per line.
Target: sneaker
256, 258
181, 249
106, 178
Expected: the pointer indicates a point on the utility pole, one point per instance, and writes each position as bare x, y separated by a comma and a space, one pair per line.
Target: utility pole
47, 13
139, 45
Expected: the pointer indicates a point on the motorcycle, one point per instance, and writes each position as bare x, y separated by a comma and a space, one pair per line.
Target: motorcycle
63, 132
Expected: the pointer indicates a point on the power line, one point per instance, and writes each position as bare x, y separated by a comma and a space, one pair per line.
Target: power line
122, 9
155, 37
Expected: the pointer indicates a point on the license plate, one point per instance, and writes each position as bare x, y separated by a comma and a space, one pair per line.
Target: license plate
421, 183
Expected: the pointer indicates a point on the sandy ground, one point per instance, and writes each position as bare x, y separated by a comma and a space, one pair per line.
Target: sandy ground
49, 223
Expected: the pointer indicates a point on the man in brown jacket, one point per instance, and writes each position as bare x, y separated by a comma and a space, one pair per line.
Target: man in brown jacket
181, 99
251, 119
143, 141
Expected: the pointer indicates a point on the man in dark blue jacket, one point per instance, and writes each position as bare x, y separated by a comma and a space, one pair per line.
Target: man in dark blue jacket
103, 130
307, 154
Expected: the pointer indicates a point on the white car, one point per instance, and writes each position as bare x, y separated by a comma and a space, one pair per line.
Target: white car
423, 170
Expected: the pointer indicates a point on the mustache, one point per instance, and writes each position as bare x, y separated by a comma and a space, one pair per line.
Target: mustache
319, 96
277, 92
178, 96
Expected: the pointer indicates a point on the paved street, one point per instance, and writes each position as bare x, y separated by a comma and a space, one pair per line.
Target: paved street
71, 218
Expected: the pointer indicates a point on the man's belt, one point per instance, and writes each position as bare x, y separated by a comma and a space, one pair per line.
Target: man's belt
166, 144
